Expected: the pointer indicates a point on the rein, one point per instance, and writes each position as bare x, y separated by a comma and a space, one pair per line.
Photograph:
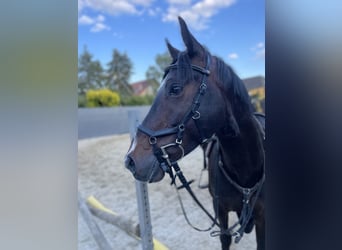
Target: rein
248, 204
174, 171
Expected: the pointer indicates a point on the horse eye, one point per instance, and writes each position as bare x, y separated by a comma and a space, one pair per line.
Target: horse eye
175, 90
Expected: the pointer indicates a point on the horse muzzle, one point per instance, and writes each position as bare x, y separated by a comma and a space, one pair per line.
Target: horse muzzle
148, 170
130, 165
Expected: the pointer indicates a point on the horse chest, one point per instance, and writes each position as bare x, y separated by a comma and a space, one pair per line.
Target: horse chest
228, 197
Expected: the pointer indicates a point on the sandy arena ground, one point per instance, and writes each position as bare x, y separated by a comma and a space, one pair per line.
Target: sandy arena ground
102, 173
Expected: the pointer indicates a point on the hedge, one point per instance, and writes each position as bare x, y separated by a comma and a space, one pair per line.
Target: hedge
102, 98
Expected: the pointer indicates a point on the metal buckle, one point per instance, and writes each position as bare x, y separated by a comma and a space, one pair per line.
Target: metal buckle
163, 149
197, 115
152, 140
203, 86
179, 141
246, 191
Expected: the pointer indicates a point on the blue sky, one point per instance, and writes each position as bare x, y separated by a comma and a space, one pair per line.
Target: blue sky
231, 29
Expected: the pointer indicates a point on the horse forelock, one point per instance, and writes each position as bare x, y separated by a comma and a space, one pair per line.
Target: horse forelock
184, 70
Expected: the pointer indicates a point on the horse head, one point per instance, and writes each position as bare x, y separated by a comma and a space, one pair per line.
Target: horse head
190, 106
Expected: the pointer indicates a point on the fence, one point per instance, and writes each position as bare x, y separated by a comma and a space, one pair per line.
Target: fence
95, 122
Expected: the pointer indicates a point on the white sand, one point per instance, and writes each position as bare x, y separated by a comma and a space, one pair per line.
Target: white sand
102, 174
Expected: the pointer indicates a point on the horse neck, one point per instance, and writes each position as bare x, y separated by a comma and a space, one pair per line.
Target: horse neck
243, 156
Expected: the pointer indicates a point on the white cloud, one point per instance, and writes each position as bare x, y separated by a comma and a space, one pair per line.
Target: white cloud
142, 2
154, 12
260, 54
97, 23
111, 7
182, 2
86, 20
260, 45
116, 7
100, 18
80, 5
99, 27
196, 15
259, 50
233, 56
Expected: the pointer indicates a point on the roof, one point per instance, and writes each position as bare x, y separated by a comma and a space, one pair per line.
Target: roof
140, 87
254, 82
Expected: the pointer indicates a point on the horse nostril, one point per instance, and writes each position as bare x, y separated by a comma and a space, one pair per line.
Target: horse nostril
130, 164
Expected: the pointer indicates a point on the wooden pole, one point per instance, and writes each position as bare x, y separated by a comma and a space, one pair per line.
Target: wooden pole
100, 211
92, 225
126, 224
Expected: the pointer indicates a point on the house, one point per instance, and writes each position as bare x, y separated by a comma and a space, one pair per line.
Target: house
142, 88
255, 84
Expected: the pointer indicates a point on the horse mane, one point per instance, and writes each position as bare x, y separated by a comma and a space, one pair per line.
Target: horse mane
234, 88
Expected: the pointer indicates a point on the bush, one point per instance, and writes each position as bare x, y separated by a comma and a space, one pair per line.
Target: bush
258, 99
102, 98
137, 100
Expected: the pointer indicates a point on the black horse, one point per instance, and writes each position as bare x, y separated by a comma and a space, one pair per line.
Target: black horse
201, 101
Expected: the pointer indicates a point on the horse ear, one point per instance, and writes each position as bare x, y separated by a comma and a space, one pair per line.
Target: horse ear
172, 50
192, 45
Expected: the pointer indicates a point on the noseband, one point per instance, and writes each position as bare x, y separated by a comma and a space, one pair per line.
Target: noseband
193, 113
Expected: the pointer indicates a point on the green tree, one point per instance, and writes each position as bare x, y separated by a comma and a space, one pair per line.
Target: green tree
155, 72
97, 74
90, 73
119, 72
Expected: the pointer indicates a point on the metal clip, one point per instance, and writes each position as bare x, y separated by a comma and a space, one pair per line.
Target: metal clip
237, 237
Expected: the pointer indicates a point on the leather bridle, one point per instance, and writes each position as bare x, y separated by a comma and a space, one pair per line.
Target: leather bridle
161, 153
168, 166
193, 113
